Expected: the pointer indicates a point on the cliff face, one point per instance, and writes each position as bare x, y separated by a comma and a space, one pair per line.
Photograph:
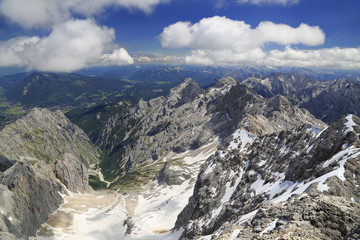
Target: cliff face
45, 156
45, 136
301, 184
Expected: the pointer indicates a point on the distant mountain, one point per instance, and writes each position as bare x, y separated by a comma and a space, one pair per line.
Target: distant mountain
63, 90
187, 118
204, 76
326, 100
50, 89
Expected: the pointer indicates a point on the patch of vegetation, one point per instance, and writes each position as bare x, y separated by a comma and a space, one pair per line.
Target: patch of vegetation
16, 110
137, 176
96, 183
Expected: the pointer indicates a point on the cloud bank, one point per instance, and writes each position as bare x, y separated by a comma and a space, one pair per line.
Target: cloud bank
222, 41
70, 46
46, 13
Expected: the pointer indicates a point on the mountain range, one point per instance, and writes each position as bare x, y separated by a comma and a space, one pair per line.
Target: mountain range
266, 156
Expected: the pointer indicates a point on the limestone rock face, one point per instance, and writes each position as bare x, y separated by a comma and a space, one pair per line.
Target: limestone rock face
31, 194
72, 173
46, 136
301, 183
45, 156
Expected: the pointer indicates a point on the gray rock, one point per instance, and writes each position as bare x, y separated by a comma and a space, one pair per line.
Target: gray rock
172, 175
72, 173
46, 136
32, 194
276, 178
7, 236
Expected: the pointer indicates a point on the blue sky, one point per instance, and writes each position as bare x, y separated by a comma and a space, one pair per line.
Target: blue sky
68, 35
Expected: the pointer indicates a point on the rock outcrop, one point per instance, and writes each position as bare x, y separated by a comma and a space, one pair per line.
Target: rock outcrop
45, 156
46, 136
302, 183
31, 194
72, 173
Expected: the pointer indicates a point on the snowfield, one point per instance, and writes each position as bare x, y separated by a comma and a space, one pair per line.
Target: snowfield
101, 215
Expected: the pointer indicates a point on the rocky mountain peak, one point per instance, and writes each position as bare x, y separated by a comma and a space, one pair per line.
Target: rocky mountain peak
226, 81
187, 91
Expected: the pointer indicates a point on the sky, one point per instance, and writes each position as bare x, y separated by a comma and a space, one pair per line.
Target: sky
69, 35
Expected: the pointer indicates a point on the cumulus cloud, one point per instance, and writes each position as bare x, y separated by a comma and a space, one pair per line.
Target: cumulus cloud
222, 41
259, 2
46, 13
344, 58
117, 57
222, 33
70, 46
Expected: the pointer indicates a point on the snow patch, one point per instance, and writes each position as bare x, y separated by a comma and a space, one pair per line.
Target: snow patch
349, 124
244, 137
322, 187
309, 148
282, 149
234, 234
350, 152
248, 216
262, 162
315, 130
269, 227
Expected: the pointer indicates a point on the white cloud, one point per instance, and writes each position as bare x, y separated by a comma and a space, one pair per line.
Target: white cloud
260, 2
46, 13
70, 46
11, 50
222, 33
344, 58
222, 41
225, 57
156, 59
117, 57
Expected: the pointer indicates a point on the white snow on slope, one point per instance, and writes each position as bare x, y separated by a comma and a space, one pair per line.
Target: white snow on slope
242, 136
290, 188
269, 227
229, 191
349, 124
315, 131
101, 216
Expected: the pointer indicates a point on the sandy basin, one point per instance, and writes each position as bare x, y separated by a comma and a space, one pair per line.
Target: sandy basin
97, 215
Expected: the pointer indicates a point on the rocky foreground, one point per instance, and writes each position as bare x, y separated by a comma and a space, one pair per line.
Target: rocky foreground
45, 156
298, 184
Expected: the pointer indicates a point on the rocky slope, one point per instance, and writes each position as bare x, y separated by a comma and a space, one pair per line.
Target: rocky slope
45, 156
46, 136
326, 100
190, 117
302, 184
